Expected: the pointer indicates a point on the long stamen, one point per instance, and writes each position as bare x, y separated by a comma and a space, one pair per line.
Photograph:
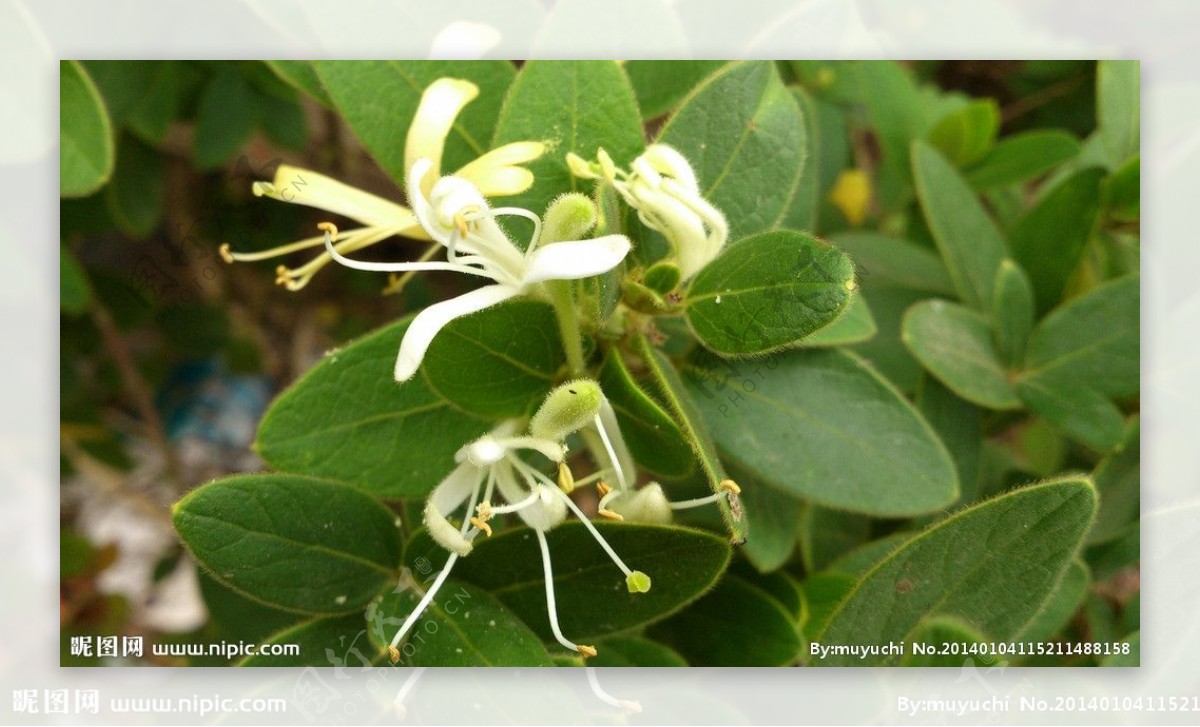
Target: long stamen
595, 533
553, 451
393, 650
297, 278
550, 607
397, 267
397, 283
518, 212
628, 705
245, 257
612, 454
506, 509
728, 487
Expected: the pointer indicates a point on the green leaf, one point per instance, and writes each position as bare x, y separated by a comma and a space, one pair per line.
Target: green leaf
856, 324
827, 534
348, 419
960, 426
1133, 658
86, 151
295, 543
1118, 108
971, 245
158, 106
1075, 409
230, 109
767, 292
954, 343
634, 651
735, 624
1049, 240
863, 558
966, 134
574, 106
74, 291
463, 626
992, 566
886, 351
772, 517
499, 362
1021, 157
136, 194
660, 85
1118, 480
938, 630
823, 592
895, 108
823, 425
1094, 339
1012, 312
1064, 601
882, 261
1122, 192
653, 437
674, 395
378, 99
804, 210
743, 133
339, 642
591, 596
301, 75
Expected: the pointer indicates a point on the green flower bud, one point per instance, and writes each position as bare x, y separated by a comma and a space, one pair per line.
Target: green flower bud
569, 217
567, 409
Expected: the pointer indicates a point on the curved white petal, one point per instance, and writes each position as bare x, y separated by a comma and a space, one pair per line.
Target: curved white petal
576, 259
306, 187
439, 107
450, 494
549, 510
428, 322
666, 160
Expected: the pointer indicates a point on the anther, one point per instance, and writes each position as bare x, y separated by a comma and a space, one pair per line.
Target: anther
394, 654
603, 488
328, 227
587, 651
482, 525
226, 255
730, 486
566, 480
606, 513
460, 222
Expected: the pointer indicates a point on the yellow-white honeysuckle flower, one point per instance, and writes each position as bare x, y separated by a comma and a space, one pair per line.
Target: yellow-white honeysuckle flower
497, 173
663, 189
493, 464
456, 215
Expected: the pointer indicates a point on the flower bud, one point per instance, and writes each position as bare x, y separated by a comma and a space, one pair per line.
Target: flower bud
567, 409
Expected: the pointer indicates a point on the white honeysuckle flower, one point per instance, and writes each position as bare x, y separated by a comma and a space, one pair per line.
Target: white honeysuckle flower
493, 464
663, 189
456, 214
497, 173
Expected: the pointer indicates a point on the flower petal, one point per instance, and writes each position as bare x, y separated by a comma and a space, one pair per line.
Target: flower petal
431, 320
498, 174
439, 107
306, 187
576, 259
447, 496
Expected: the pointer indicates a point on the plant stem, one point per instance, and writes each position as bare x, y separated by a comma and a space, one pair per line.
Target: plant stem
692, 426
568, 325
134, 384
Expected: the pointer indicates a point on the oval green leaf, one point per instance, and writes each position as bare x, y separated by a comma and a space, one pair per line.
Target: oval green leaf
1022, 157
971, 244
767, 292
590, 590
954, 343
735, 624
992, 566
654, 439
499, 362
86, 153
573, 106
967, 133
378, 99
743, 133
463, 626
823, 425
347, 419
295, 543
336, 642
